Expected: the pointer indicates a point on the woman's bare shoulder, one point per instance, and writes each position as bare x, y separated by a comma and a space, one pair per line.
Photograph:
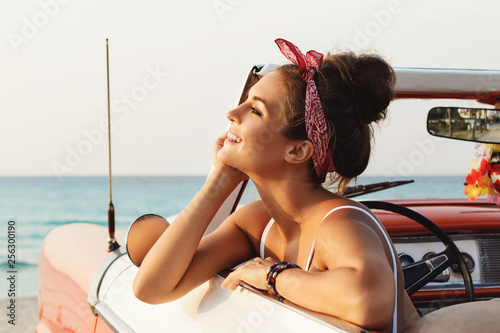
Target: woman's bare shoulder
252, 218
347, 213
255, 208
351, 232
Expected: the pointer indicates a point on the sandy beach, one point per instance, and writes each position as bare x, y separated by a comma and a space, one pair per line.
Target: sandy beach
26, 315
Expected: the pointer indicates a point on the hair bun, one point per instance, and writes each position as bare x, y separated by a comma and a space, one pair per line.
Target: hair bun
371, 82
355, 91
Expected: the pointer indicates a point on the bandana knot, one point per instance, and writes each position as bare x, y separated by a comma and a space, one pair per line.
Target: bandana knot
317, 131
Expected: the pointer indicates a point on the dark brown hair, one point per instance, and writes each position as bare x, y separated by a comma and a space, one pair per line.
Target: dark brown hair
355, 91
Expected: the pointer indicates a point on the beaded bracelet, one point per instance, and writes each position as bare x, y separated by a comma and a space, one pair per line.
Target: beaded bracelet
273, 272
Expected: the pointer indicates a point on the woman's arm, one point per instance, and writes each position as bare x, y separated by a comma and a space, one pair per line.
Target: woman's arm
178, 262
356, 282
362, 294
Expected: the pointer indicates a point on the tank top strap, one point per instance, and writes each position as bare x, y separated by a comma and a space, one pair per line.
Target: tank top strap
263, 238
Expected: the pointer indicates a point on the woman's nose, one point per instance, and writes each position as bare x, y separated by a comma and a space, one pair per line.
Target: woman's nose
234, 115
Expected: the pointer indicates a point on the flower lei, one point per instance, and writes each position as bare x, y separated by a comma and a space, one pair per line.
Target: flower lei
484, 177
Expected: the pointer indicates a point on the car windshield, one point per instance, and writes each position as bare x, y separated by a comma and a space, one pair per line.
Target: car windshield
405, 150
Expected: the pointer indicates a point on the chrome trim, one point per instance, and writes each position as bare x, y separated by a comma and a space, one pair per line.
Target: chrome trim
95, 285
423, 239
112, 319
426, 239
444, 276
445, 286
434, 263
99, 308
298, 310
489, 258
403, 254
445, 80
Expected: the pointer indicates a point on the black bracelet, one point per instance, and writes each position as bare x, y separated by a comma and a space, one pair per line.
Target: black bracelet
273, 272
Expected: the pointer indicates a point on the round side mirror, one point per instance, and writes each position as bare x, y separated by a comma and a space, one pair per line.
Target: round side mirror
142, 235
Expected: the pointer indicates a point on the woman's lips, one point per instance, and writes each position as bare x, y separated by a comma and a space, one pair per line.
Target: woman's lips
233, 137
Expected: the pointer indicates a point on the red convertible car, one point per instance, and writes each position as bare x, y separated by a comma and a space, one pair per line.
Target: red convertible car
449, 248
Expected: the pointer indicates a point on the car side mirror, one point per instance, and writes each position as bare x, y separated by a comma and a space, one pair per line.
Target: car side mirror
468, 124
142, 235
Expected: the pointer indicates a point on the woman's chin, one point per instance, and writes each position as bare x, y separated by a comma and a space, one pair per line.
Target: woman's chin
224, 157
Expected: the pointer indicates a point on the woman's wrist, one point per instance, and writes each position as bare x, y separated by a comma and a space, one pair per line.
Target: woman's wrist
274, 271
227, 176
215, 190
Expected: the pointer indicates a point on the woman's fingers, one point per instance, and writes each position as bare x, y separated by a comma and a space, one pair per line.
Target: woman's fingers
270, 260
232, 281
218, 144
232, 172
253, 272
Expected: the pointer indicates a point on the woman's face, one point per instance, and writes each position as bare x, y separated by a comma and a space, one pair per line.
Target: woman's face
254, 142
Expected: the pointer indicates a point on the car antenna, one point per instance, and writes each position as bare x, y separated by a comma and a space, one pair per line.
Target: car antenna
112, 242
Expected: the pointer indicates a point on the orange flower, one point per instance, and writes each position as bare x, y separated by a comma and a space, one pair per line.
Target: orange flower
472, 192
479, 182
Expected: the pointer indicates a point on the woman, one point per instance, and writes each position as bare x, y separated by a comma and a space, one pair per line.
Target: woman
299, 123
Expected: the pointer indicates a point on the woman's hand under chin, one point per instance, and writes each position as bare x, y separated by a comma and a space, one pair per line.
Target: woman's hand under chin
232, 172
253, 272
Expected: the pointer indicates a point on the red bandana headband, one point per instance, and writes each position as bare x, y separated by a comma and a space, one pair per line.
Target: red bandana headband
317, 131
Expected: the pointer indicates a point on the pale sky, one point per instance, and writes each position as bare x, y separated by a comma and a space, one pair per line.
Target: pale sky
177, 67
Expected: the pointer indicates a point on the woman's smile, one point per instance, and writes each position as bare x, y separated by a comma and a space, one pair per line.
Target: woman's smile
232, 138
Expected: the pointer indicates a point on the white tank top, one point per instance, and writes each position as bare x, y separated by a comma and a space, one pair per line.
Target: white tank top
311, 253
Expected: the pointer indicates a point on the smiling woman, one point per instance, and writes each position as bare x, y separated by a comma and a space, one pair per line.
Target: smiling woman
255, 130
298, 124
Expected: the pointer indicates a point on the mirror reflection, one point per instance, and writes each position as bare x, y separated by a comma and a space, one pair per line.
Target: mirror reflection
478, 125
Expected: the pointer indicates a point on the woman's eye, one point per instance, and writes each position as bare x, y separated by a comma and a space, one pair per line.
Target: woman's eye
257, 112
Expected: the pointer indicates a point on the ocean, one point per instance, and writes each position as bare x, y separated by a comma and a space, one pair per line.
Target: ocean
40, 204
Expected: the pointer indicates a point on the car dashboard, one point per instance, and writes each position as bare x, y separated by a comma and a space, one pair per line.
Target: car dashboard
473, 227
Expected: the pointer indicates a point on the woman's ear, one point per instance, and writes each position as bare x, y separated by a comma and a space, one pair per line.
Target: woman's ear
299, 152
